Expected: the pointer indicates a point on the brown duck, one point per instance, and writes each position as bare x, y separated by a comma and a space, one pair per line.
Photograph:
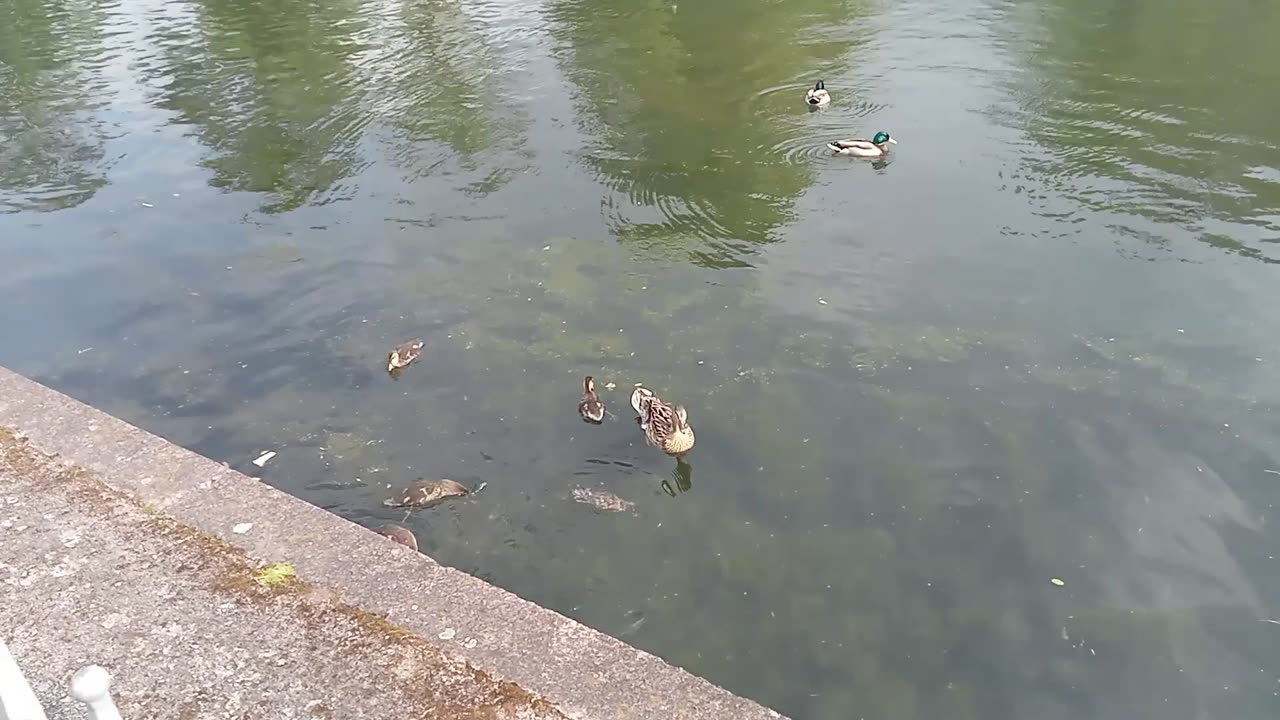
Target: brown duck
591, 408
403, 354
425, 493
402, 535
601, 499
665, 426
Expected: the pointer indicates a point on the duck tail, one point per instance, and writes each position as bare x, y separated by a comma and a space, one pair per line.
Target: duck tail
640, 402
834, 146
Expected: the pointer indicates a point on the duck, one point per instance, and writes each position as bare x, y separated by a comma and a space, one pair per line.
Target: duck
403, 354
665, 426
591, 408
425, 493
875, 147
402, 535
818, 95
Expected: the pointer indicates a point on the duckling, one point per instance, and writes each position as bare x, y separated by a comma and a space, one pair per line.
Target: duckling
875, 147
665, 426
403, 354
818, 95
601, 499
402, 535
425, 493
591, 408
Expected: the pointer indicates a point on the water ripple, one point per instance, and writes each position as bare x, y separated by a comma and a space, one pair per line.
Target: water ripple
1115, 134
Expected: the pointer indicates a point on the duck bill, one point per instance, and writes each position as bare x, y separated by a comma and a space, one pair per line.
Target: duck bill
895, 142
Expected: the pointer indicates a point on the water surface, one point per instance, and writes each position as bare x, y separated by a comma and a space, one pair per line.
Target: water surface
1034, 343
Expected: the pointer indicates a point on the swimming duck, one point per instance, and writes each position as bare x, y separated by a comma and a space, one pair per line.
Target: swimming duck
601, 499
425, 493
818, 95
402, 535
403, 354
665, 426
591, 409
875, 147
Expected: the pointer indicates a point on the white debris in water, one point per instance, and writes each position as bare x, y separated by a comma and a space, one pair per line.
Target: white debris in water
610, 386
147, 205
81, 352
242, 528
447, 634
1181, 330
264, 457
1057, 581
821, 301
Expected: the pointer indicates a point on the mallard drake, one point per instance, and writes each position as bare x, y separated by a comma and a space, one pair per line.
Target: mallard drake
875, 147
818, 95
665, 426
425, 493
403, 354
591, 409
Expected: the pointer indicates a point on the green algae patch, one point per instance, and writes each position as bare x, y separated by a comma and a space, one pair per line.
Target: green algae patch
275, 574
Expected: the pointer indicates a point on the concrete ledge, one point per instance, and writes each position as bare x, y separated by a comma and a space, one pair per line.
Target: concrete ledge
581, 672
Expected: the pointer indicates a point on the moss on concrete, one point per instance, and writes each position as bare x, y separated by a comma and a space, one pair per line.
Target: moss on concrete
441, 686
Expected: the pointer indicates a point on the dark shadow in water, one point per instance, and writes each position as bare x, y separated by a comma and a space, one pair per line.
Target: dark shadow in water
681, 478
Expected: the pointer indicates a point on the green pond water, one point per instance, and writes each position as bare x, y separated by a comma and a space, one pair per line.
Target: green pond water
1038, 341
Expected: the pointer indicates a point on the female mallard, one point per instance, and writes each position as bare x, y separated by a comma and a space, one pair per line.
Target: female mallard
875, 147
818, 95
665, 426
403, 354
591, 409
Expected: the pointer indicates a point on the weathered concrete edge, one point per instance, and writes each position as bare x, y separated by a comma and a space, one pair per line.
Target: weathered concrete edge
585, 673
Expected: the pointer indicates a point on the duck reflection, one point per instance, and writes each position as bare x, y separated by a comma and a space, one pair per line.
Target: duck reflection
681, 480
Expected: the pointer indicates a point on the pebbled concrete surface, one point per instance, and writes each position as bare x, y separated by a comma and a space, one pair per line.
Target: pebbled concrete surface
87, 575
469, 625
